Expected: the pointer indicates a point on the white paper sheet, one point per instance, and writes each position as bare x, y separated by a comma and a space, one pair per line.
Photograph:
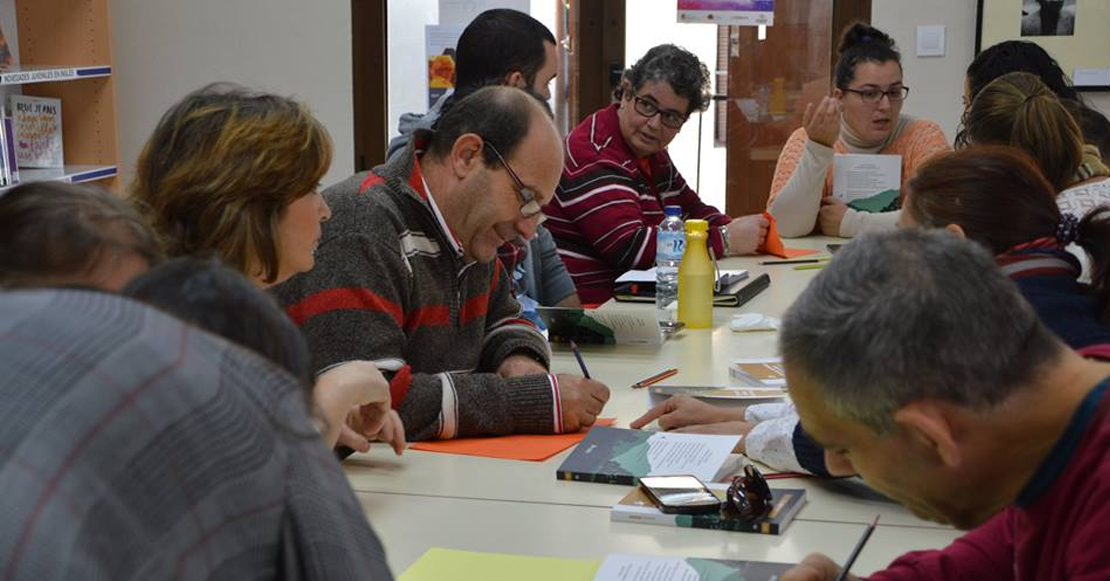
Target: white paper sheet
857, 175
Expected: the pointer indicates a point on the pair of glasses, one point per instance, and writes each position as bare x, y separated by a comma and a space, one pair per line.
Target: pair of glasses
648, 108
873, 96
748, 497
530, 206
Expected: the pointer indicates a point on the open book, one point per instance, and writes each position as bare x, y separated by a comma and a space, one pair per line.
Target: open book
644, 568
623, 456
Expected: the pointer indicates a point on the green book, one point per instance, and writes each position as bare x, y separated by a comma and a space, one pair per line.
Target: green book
645, 568
623, 456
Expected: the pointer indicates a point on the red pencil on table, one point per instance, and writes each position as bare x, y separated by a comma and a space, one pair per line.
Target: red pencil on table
654, 378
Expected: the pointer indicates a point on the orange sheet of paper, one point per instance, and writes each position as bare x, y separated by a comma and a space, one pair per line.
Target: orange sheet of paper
530, 447
773, 243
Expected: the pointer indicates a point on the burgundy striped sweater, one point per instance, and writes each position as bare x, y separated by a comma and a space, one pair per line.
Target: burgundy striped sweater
606, 208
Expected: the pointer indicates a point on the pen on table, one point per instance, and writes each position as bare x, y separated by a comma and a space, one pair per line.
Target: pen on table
578, 356
797, 261
855, 552
810, 267
654, 378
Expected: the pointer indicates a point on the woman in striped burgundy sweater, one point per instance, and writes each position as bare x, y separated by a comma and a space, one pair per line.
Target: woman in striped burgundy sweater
618, 176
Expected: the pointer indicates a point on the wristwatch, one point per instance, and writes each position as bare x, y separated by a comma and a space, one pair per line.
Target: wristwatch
724, 240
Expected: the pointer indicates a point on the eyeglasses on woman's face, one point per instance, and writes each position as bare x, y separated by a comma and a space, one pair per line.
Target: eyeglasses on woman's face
649, 108
873, 96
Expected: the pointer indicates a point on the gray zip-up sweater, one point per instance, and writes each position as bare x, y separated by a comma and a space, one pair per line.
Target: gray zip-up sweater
390, 285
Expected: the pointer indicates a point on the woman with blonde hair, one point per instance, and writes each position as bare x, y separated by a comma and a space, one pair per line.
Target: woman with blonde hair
234, 174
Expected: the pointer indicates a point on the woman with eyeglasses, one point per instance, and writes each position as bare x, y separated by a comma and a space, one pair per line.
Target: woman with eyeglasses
618, 176
862, 115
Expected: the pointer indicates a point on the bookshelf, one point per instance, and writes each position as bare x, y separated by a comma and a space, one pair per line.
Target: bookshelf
65, 52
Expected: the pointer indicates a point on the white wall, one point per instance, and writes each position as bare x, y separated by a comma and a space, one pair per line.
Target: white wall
167, 48
936, 83
654, 22
407, 67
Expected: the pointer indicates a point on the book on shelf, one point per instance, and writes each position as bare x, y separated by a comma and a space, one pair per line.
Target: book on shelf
759, 371
726, 396
637, 507
624, 567
623, 456
11, 165
38, 131
601, 326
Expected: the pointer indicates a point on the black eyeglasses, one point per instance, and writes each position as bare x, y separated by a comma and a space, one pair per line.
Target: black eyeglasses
748, 497
649, 108
873, 96
530, 206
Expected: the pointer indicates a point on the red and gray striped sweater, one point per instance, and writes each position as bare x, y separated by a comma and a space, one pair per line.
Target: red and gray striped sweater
390, 285
606, 208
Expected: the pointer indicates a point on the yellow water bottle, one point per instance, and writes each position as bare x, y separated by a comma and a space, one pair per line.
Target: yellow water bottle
695, 278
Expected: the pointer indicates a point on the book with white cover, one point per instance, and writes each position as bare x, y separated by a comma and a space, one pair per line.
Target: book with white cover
38, 131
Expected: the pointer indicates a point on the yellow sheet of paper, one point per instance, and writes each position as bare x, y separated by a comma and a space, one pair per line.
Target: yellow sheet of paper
439, 564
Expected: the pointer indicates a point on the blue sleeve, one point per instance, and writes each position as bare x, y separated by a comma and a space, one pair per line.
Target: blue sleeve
809, 454
552, 277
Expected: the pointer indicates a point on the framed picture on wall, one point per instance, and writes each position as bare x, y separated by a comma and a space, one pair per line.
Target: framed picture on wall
1074, 32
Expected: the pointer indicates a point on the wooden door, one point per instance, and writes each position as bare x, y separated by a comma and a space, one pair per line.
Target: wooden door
769, 84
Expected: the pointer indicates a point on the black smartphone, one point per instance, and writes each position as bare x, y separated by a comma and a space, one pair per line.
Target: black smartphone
681, 494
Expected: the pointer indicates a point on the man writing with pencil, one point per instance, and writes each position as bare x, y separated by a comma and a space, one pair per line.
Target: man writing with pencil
950, 396
407, 276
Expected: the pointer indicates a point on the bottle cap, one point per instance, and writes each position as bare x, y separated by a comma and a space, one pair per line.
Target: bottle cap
675, 211
697, 226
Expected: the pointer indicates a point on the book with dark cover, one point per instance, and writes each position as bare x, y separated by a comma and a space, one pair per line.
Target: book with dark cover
637, 507
623, 456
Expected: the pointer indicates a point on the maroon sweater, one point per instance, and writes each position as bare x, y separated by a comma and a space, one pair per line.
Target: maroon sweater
605, 210
1059, 527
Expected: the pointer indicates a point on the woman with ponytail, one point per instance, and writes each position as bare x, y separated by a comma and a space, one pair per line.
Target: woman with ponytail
862, 115
1019, 110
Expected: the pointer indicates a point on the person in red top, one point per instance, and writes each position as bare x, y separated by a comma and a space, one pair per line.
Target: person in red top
915, 361
618, 176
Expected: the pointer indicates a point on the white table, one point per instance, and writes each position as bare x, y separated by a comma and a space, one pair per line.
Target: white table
424, 499
409, 525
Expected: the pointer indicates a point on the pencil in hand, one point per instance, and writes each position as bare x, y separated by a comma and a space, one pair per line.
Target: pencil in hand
578, 356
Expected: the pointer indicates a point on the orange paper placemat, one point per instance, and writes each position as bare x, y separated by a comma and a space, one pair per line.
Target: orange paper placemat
518, 447
796, 252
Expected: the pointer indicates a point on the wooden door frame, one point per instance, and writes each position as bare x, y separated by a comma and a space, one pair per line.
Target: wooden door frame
597, 33
369, 76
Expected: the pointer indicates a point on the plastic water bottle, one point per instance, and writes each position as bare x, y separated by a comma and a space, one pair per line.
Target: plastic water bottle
669, 246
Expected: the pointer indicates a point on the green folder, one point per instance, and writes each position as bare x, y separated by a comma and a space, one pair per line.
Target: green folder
884, 201
438, 564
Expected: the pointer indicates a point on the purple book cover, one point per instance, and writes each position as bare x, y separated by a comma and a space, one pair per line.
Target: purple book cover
9, 149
